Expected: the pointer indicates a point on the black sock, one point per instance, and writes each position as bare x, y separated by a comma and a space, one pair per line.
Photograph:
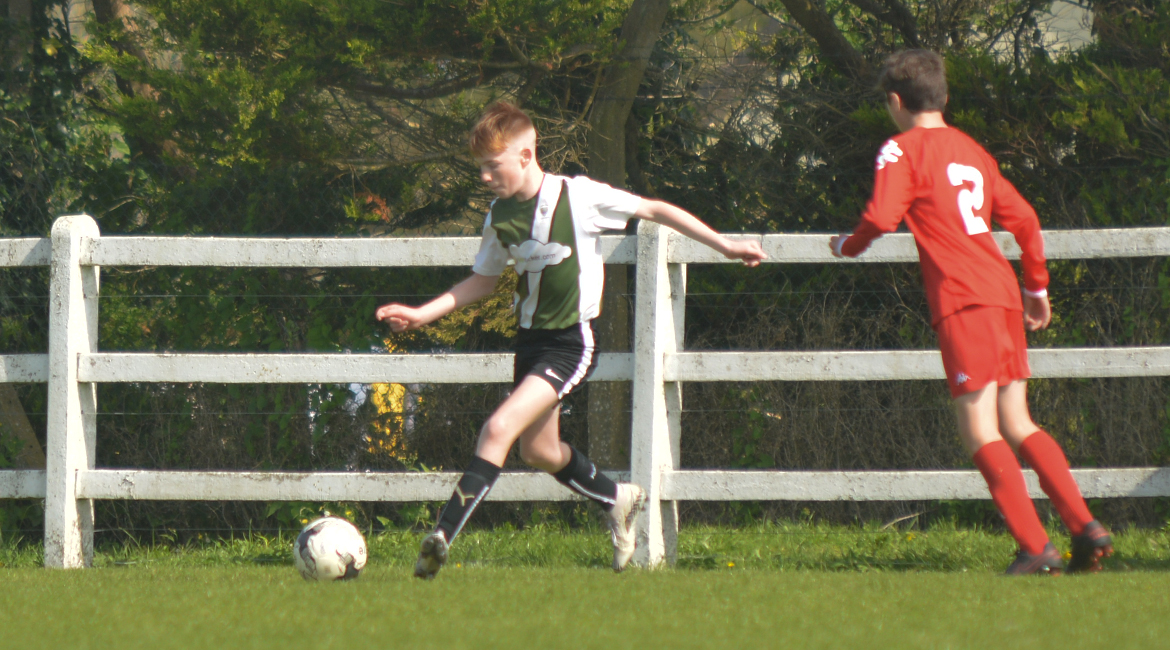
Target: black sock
473, 486
582, 477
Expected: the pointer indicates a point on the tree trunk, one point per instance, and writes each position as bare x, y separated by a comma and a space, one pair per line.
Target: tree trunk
19, 12
14, 424
117, 14
609, 402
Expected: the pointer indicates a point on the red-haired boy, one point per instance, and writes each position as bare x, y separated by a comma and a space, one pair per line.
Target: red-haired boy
949, 190
549, 226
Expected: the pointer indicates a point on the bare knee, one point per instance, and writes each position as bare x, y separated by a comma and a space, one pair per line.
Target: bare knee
1016, 435
538, 456
1016, 427
497, 430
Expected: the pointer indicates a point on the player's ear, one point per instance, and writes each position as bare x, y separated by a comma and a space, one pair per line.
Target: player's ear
893, 101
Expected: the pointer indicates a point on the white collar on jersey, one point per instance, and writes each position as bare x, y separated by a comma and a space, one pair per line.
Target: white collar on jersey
546, 205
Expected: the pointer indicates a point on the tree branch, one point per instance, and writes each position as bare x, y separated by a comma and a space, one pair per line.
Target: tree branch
442, 89
836, 49
894, 14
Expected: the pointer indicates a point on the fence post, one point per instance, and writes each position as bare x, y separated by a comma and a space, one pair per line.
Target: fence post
674, 403
650, 449
72, 413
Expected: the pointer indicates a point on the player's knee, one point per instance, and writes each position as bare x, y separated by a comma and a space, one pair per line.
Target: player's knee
497, 428
535, 455
529, 455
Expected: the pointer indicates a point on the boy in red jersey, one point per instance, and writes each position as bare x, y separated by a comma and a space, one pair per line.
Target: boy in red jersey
949, 189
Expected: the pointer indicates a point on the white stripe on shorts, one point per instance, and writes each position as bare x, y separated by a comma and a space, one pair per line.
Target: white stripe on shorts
583, 366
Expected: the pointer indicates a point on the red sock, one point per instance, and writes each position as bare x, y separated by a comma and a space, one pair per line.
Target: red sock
1045, 456
1001, 470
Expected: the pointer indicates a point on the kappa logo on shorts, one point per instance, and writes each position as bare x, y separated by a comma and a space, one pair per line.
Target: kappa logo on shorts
961, 379
550, 373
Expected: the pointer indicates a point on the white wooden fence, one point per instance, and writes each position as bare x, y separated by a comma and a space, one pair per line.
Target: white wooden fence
657, 367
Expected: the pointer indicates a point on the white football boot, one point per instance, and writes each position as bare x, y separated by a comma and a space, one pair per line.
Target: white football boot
432, 555
623, 522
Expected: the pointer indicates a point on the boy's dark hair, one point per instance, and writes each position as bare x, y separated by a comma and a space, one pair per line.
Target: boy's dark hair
919, 77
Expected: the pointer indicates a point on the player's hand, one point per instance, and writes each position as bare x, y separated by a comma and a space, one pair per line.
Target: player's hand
1037, 313
399, 317
835, 243
749, 251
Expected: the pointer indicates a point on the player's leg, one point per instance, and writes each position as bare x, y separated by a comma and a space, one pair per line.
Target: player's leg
969, 341
978, 428
541, 447
1091, 541
531, 401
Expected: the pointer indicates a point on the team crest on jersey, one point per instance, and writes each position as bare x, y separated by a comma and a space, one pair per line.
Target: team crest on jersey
532, 256
890, 153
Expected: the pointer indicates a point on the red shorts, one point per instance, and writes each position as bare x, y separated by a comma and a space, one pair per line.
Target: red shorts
981, 345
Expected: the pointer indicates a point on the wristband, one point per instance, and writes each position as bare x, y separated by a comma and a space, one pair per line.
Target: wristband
840, 243
1039, 293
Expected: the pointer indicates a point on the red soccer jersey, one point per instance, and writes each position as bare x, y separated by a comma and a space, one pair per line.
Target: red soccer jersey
949, 189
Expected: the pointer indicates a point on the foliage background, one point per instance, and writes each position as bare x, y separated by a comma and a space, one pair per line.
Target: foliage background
285, 117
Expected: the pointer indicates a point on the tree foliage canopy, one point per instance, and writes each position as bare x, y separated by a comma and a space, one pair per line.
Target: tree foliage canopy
349, 118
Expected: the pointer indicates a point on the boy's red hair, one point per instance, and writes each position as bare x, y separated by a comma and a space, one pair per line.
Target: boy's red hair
500, 122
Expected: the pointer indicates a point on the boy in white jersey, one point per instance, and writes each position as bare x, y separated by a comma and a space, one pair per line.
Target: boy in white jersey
550, 226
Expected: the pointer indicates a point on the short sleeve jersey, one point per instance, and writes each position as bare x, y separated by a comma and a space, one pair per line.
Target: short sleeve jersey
559, 261
949, 190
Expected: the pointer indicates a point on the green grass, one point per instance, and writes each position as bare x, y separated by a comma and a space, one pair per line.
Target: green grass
795, 585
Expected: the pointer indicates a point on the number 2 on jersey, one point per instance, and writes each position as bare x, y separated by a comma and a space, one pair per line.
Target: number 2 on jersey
969, 200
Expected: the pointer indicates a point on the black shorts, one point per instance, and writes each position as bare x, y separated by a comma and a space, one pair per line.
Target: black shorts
564, 358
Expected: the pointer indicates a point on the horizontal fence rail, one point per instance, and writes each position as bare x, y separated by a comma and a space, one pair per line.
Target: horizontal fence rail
1153, 361
256, 252
884, 485
24, 368
681, 485
242, 368
22, 484
25, 251
657, 367
310, 486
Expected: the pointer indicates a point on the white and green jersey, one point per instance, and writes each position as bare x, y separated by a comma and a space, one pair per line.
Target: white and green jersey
554, 239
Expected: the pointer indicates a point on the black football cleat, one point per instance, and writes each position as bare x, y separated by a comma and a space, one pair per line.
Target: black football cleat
1089, 548
1047, 562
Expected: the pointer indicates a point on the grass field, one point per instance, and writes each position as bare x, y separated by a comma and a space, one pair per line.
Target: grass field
797, 586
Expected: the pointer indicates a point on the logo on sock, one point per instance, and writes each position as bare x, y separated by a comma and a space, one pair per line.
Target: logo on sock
463, 497
961, 378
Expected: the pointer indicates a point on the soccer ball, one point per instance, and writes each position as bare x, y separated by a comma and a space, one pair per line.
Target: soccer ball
329, 548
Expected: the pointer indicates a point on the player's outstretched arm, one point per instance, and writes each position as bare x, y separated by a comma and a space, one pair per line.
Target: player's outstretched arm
402, 317
661, 212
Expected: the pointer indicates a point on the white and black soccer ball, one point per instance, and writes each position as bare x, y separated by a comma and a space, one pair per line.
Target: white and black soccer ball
329, 548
